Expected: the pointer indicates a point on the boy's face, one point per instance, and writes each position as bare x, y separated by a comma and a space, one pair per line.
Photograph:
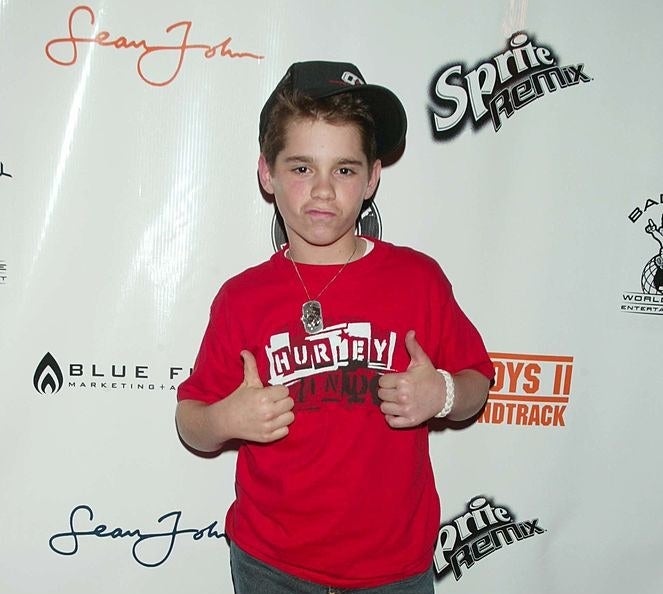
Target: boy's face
320, 180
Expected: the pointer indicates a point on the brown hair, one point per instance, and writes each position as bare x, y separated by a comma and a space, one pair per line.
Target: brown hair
344, 108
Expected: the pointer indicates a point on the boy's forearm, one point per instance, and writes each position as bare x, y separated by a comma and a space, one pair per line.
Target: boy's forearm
198, 424
471, 392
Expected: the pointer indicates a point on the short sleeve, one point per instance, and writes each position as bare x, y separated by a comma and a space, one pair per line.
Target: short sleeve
218, 369
460, 345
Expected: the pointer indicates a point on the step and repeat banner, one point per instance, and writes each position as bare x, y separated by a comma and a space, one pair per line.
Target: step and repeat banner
129, 194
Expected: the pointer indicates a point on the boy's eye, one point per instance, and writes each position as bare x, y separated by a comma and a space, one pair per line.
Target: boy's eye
301, 169
345, 171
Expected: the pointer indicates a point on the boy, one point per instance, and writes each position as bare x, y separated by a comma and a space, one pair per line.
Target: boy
311, 360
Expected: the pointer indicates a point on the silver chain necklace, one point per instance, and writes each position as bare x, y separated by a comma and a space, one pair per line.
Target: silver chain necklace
311, 309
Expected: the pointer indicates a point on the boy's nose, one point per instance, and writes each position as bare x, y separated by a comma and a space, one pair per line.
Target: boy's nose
323, 188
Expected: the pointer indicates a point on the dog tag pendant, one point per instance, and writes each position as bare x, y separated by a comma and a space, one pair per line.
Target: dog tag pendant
312, 317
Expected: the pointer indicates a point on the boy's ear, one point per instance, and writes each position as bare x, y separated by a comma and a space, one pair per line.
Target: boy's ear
265, 175
373, 179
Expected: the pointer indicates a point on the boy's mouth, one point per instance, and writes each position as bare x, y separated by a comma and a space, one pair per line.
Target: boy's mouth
317, 213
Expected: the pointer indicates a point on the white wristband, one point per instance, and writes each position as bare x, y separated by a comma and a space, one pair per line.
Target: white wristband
449, 399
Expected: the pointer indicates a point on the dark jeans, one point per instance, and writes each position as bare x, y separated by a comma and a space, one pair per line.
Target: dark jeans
251, 576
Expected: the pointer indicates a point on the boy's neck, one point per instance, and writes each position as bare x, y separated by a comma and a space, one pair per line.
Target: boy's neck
343, 253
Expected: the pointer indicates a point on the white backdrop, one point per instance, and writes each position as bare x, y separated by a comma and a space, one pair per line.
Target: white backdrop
128, 194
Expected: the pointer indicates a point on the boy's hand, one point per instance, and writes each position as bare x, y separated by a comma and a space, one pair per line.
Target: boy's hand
414, 396
258, 413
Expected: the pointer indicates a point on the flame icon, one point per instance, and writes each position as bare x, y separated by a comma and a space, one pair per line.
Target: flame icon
48, 376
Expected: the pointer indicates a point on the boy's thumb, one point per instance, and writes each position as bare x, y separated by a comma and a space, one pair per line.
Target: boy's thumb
417, 354
251, 376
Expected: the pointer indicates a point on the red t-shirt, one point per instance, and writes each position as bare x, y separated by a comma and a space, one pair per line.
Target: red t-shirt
344, 499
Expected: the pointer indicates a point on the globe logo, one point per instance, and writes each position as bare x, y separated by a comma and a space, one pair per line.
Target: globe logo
652, 274
652, 277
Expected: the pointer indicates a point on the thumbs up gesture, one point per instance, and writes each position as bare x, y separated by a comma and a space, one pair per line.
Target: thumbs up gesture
251, 376
255, 412
415, 395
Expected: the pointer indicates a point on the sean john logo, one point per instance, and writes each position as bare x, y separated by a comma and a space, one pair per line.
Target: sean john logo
150, 548
497, 87
483, 529
82, 30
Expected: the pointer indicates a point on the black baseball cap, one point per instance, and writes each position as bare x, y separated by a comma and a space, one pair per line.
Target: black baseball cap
318, 79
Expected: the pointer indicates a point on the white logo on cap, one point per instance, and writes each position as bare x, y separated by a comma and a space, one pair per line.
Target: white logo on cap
351, 79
